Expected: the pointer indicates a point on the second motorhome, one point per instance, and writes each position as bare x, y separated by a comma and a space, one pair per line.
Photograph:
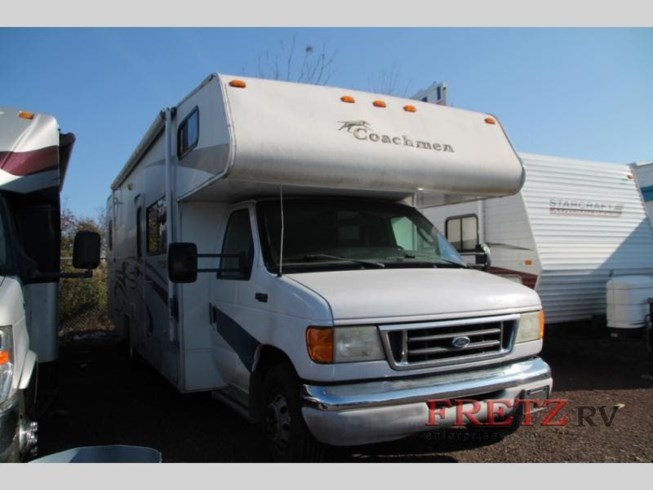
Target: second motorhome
34, 156
264, 246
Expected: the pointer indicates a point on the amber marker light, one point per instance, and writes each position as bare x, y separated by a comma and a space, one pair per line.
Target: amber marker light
490, 120
26, 115
348, 99
237, 84
319, 341
379, 103
542, 324
5, 357
410, 108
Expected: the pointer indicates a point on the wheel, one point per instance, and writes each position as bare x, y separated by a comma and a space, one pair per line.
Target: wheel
286, 434
12, 454
24, 444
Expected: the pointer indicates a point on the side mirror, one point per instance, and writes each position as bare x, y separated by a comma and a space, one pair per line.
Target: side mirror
182, 262
483, 256
86, 250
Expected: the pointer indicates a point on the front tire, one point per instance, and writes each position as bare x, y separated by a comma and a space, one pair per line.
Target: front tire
287, 437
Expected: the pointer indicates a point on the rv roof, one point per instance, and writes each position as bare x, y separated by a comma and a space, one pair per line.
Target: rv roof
33, 153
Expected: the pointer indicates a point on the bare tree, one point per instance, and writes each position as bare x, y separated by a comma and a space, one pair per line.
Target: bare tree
389, 82
315, 66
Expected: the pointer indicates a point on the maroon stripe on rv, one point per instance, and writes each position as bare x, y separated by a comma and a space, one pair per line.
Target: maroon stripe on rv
527, 279
29, 162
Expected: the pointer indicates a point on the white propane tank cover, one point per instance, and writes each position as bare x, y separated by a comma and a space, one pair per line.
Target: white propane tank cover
627, 301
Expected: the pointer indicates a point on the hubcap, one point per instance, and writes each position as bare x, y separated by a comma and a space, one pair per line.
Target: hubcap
277, 423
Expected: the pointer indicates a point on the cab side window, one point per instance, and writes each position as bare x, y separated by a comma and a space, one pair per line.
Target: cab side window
238, 242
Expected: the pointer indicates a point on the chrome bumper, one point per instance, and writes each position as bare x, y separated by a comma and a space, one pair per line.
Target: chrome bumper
377, 411
8, 427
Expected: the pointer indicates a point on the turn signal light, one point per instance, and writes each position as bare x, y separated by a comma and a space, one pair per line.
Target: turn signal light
319, 341
542, 324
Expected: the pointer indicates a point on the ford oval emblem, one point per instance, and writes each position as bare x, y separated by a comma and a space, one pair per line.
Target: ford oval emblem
460, 342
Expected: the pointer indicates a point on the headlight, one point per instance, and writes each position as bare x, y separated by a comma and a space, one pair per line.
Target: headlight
344, 344
531, 327
6, 362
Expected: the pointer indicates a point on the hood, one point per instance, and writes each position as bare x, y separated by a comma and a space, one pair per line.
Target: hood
395, 294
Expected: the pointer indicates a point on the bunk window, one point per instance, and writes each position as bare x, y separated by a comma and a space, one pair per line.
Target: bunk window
188, 134
156, 228
462, 232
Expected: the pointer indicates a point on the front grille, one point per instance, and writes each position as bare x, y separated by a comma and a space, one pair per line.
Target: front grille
448, 342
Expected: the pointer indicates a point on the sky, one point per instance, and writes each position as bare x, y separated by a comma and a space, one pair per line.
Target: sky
582, 93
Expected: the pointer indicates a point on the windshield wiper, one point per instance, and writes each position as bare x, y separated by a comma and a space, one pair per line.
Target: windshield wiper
347, 259
437, 262
442, 260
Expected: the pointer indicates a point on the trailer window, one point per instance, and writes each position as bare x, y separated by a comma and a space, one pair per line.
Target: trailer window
188, 134
156, 228
237, 240
462, 232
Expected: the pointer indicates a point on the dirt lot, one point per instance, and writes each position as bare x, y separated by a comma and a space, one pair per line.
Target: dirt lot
100, 401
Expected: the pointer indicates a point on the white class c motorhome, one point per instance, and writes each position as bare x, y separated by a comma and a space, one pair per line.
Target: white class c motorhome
34, 157
326, 307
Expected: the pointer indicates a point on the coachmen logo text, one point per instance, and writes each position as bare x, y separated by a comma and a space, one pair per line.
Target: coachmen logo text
362, 130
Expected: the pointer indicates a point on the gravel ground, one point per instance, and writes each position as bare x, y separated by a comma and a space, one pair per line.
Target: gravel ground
99, 401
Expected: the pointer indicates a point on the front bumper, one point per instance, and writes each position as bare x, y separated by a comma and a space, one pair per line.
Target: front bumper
377, 411
9, 420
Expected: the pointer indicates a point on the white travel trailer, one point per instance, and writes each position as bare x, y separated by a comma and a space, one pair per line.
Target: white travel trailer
574, 225
34, 156
327, 308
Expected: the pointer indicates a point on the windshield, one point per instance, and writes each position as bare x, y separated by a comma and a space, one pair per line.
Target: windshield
322, 234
